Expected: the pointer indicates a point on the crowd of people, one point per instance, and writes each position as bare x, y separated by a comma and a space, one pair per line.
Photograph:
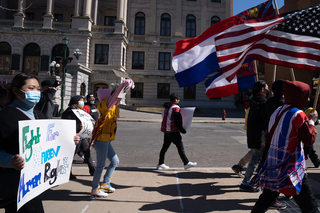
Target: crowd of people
279, 135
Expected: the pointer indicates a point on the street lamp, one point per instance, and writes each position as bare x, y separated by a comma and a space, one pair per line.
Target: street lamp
64, 63
77, 54
54, 66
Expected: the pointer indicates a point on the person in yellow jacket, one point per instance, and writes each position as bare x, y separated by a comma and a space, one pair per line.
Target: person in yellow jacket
103, 133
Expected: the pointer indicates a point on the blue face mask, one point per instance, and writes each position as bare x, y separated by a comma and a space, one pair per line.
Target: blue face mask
81, 103
31, 97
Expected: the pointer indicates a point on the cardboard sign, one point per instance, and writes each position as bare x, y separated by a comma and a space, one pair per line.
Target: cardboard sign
87, 123
187, 115
47, 147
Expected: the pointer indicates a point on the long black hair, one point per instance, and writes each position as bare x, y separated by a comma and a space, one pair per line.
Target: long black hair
18, 81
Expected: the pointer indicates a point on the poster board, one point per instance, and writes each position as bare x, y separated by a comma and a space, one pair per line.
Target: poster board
47, 147
187, 115
87, 123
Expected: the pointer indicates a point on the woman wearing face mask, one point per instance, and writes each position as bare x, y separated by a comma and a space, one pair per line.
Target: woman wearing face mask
24, 95
90, 108
76, 102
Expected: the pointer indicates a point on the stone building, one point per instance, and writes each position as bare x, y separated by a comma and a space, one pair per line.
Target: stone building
109, 40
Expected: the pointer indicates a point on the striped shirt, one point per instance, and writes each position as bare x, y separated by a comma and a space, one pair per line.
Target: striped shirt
167, 124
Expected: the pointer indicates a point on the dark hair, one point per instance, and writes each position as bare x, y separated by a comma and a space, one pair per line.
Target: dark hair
89, 96
174, 96
19, 81
74, 100
258, 86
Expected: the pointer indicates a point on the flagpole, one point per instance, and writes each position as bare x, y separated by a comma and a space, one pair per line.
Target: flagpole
256, 68
275, 69
275, 66
317, 95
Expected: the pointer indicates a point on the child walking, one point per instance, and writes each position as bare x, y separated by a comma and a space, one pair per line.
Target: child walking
171, 126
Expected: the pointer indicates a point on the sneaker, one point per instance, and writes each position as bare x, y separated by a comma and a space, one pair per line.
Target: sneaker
247, 188
237, 169
316, 163
107, 187
278, 205
163, 166
98, 193
189, 165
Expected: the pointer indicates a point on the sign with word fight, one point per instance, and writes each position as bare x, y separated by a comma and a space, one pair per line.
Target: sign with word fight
47, 147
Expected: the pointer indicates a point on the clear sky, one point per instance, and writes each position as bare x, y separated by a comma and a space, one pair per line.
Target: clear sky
241, 5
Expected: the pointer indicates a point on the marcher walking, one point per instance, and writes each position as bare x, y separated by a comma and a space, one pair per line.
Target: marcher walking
171, 126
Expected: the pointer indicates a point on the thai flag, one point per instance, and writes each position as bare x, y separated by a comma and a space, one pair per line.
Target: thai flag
195, 58
218, 86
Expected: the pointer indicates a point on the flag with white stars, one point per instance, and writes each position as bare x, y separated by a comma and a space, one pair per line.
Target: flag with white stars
291, 40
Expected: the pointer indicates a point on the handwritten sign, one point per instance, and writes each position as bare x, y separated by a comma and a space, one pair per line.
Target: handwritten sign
47, 147
187, 115
87, 123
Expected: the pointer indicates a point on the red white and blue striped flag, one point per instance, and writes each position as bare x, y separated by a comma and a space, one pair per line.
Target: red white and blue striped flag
291, 40
195, 58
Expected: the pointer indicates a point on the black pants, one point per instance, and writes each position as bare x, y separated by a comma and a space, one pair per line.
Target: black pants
305, 200
33, 206
175, 138
83, 146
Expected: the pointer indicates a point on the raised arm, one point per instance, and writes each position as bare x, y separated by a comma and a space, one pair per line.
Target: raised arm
114, 97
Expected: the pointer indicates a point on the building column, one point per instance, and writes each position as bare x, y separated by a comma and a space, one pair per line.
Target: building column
76, 8
153, 19
19, 16
87, 8
83, 22
48, 17
119, 23
203, 21
178, 31
95, 12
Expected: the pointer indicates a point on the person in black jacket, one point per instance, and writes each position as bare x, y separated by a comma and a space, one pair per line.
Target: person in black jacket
171, 126
90, 108
46, 104
256, 131
76, 102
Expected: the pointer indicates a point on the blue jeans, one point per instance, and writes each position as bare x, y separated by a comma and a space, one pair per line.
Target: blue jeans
252, 166
104, 150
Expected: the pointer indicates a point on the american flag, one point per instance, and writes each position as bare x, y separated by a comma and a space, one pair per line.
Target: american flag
291, 40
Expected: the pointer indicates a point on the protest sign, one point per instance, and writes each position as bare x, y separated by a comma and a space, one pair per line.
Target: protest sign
187, 115
87, 123
47, 147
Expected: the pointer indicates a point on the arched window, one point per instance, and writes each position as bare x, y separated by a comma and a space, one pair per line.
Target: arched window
57, 55
214, 20
31, 56
191, 26
5, 57
139, 24
165, 25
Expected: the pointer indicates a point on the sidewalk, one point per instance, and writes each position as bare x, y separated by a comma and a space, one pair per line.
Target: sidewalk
198, 190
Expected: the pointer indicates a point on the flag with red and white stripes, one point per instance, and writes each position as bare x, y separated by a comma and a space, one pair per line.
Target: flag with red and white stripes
291, 40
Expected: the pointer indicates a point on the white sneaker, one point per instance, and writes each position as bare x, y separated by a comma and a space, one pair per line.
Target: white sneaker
189, 165
163, 166
107, 187
98, 193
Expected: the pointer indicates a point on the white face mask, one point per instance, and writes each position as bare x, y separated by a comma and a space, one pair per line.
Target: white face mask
81, 103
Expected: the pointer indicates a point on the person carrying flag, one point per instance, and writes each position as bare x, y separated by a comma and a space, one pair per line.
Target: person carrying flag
283, 168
